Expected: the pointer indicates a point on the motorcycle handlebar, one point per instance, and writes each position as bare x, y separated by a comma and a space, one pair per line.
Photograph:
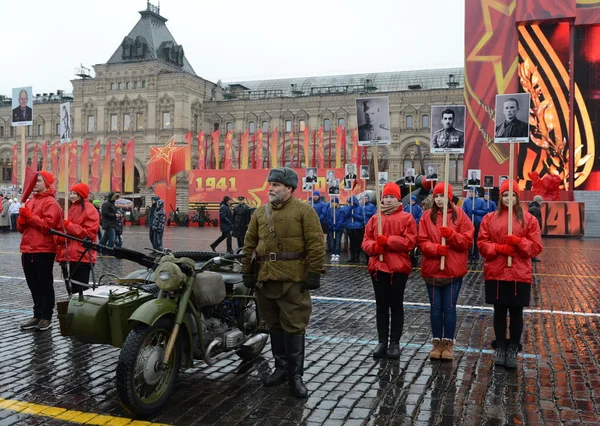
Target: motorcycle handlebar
234, 256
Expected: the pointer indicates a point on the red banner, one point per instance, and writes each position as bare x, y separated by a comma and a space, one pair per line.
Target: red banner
34, 159
72, 164
129, 165
320, 148
215, 137
15, 167
105, 181
95, 179
244, 148
338, 146
273, 148
117, 169
62, 167
54, 157
201, 150
259, 150
228, 150
45, 156
354, 152
188, 153
306, 146
85, 162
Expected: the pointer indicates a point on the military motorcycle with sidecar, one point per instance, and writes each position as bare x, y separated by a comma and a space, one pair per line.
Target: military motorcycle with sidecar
190, 314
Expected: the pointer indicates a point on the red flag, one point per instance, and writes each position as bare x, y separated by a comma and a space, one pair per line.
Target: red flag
283, 149
105, 180
244, 149
54, 157
117, 169
228, 150
85, 162
45, 156
201, 151
253, 165
178, 158
259, 150
306, 146
15, 164
72, 164
129, 165
344, 144
338, 146
291, 149
159, 165
215, 137
95, 179
354, 150
30, 181
273, 148
321, 148
188, 153
34, 160
314, 160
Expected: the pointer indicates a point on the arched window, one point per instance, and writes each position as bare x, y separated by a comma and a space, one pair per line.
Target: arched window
383, 163
409, 121
426, 121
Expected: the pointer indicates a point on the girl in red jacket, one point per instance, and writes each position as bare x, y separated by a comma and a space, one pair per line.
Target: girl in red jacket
83, 222
444, 286
508, 288
397, 239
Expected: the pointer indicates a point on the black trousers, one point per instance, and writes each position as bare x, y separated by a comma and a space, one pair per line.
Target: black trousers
516, 324
223, 236
356, 239
38, 273
78, 272
389, 296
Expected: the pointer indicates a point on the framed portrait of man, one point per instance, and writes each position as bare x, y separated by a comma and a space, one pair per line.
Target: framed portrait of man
431, 171
22, 106
382, 179
409, 179
448, 129
330, 175
364, 172
512, 118
350, 175
311, 174
64, 125
474, 177
373, 118
334, 187
306, 186
488, 182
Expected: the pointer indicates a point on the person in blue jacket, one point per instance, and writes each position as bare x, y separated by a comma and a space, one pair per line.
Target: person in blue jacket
475, 208
414, 209
320, 207
491, 205
355, 226
336, 218
368, 212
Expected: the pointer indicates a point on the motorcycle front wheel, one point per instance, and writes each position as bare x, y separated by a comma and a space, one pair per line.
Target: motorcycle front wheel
143, 387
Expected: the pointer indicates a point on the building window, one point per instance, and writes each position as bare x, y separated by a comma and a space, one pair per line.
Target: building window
288, 126
28, 130
166, 120
342, 122
1, 131
139, 121
12, 131
196, 123
127, 85
57, 129
252, 127
327, 124
135, 84
426, 122
228, 126
143, 84
119, 85
265, 126
302, 125
113, 122
409, 121
216, 126
126, 122
112, 86
40, 130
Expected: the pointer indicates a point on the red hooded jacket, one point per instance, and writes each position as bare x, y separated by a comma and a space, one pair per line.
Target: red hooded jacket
46, 215
401, 229
83, 223
458, 244
492, 231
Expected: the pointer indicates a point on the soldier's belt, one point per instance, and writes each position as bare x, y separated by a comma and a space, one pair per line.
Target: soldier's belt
272, 257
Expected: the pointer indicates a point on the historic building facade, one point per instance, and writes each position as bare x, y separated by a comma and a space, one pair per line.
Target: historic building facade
148, 90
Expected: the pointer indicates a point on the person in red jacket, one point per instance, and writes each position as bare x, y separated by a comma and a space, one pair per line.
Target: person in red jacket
394, 244
508, 288
443, 286
83, 222
40, 214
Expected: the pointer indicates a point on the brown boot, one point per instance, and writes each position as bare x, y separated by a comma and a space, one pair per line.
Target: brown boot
436, 352
448, 349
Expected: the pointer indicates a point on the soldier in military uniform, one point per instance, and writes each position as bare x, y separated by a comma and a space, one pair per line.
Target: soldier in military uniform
373, 129
512, 127
22, 112
286, 239
448, 136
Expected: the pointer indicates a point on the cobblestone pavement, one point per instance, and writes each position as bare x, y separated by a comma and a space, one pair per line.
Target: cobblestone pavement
44, 374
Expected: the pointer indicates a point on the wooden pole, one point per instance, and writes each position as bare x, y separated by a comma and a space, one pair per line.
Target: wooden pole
67, 153
23, 158
445, 209
511, 171
377, 196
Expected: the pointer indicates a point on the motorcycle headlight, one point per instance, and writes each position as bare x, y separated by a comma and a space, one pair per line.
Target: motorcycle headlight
168, 276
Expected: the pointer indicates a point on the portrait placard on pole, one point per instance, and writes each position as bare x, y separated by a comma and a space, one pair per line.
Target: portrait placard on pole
306, 186
488, 182
447, 129
373, 118
364, 172
512, 118
64, 126
474, 178
409, 179
22, 106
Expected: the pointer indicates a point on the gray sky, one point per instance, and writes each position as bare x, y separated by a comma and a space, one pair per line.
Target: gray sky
233, 40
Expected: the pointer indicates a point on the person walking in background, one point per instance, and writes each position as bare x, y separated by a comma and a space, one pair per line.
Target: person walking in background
241, 219
355, 226
98, 205
5, 214
154, 199
535, 208
476, 209
397, 239
40, 214
335, 216
508, 288
414, 209
490, 204
443, 286
225, 224
159, 220
119, 228
13, 211
84, 222
109, 219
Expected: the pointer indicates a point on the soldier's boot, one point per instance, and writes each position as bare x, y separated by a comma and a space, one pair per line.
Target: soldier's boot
383, 324
280, 356
294, 344
395, 333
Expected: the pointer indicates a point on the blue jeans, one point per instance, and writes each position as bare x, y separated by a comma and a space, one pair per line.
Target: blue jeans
443, 308
158, 237
474, 250
108, 239
335, 238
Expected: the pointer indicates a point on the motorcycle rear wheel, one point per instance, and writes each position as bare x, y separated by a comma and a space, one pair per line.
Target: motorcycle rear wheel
141, 386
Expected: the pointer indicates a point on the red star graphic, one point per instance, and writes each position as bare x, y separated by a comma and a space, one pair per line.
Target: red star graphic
165, 153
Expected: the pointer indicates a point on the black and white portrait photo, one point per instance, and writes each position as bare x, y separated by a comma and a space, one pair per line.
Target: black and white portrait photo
311, 175
330, 175
334, 187
431, 171
409, 179
448, 129
474, 177
373, 118
382, 178
364, 172
22, 104
488, 181
512, 118
306, 186
64, 125
350, 175
502, 179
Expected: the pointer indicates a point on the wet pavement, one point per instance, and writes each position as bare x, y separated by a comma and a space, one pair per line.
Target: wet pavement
48, 379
